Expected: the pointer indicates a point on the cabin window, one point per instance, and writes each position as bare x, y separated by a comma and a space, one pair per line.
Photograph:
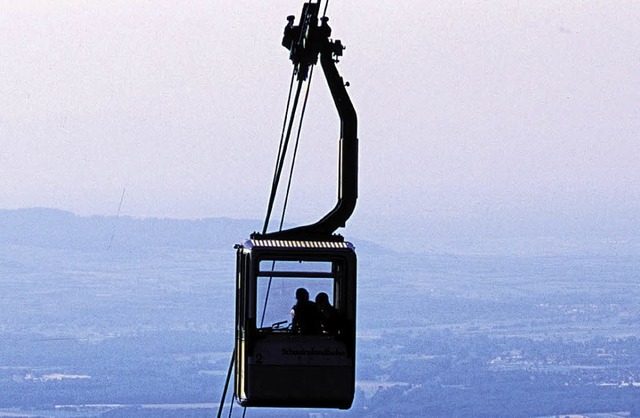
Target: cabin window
269, 266
276, 285
277, 309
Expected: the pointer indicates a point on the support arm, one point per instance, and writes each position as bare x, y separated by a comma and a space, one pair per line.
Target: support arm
325, 228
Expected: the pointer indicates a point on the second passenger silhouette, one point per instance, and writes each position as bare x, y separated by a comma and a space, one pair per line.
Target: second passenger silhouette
304, 314
328, 315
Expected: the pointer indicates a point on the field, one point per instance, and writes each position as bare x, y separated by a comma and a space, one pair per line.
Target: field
130, 331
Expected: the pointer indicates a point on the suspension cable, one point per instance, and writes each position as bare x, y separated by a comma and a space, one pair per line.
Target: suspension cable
286, 199
281, 151
284, 143
226, 385
295, 148
284, 139
325, 8
231, 409
280, 159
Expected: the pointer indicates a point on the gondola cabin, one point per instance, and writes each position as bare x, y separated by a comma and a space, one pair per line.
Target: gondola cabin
277, 363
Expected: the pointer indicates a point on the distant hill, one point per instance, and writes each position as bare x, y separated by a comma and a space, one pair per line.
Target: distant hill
54, 228
61, 229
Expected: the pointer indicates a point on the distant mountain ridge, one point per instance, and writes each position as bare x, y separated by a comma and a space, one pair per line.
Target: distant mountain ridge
55, 228
62, 229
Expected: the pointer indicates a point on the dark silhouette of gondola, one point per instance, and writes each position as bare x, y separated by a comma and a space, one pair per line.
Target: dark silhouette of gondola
275, 366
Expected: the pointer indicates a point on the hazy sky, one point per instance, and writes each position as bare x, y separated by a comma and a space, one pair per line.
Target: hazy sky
473, 116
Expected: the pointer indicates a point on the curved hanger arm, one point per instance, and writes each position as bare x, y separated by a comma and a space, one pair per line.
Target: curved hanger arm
325, 228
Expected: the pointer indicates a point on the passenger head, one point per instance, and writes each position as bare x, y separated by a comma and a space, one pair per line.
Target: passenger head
322, 299
302, 295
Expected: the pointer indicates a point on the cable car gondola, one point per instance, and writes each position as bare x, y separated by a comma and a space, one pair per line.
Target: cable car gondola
279, 363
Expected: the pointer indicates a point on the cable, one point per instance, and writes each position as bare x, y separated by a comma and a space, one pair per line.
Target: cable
231, 408
113, 232
284, 140
280, 160
280, 165
286, 199
226, 384
274, 182
295, 148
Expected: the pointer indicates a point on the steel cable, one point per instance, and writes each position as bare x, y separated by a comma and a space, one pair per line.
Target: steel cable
280, 159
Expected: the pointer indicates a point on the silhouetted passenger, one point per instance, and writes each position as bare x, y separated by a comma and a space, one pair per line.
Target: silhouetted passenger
329, 316
304, 314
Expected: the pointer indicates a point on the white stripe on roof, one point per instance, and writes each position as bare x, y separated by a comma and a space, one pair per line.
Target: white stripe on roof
298, 244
